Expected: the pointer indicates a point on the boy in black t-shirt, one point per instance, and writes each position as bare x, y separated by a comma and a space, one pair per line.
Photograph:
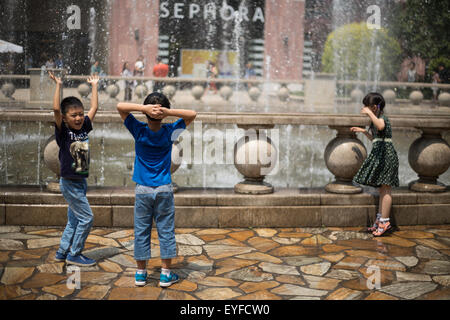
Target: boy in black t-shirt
71, 131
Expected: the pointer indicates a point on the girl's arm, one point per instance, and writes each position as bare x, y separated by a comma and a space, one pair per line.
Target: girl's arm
93, 80
56, 100
366, 133
378, 122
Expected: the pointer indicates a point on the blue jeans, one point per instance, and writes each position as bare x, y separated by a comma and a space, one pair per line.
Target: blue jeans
154, 203
79, 216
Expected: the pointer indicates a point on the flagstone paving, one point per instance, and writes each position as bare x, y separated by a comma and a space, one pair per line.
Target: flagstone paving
235, 264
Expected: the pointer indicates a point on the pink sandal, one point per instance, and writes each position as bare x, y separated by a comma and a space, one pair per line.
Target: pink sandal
375, 224
382, 228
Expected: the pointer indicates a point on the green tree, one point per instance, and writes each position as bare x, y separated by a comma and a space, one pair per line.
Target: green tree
355, 52
422, 27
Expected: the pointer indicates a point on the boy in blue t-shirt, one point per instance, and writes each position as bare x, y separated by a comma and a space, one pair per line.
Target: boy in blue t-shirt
154, 192
71, 131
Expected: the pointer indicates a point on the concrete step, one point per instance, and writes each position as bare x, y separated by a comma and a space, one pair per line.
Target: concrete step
215, 208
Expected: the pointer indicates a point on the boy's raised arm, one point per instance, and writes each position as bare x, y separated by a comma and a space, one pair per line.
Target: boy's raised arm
93, 80
187, 115
56, 100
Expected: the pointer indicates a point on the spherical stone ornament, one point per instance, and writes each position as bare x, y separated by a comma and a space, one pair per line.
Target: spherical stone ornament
112, 90
177, 157
255, 156
51, 160
8, 90
226, 92
389, 95
343, 157
197, 92
254, 93
429, 157
84, 89
169, 91
416, 97
141, 91
283, 94
356, 95
444, 99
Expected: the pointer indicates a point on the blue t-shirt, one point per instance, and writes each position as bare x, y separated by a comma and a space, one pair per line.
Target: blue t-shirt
153, 151
74, 154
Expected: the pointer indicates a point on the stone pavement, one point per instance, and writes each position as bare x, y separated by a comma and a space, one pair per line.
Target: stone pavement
236, 264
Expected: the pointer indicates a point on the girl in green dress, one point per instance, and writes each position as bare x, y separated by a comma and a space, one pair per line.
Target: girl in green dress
380, 169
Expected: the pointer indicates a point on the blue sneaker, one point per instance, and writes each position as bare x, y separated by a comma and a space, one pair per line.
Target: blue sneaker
140, 279
166, 281
80, 260
60, 257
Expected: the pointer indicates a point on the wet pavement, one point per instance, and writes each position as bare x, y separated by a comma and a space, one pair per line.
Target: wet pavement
235, 264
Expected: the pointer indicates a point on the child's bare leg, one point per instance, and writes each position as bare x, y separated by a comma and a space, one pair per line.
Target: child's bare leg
385, 201
142, 264
166, 263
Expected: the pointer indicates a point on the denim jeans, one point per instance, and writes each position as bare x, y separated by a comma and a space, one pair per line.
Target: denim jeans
79, 216
154, 203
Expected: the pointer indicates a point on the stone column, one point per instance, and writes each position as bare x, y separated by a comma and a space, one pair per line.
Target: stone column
344, 156
429, 157
320, 91
284, 35
255, 156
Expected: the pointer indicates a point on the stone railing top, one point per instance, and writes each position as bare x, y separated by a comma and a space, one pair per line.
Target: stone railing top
256, 80
333, 120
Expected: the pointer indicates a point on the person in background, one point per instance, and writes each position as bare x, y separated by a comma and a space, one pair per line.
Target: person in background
160, 70
59, 64
126, 73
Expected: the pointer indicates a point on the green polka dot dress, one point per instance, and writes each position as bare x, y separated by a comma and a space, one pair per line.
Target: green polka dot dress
381, 166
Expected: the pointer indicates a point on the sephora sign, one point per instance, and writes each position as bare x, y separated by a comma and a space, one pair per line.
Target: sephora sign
209, 11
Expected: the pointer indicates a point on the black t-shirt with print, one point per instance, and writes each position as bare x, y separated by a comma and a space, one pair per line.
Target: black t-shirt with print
74, 150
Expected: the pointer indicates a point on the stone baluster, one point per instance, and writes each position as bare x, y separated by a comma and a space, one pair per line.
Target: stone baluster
84, 90
429, 157
177, 157
51, 161
169, 91
141, 91
254, 93
8, 90
255, 156
226, 92
197, 92
283, 93
344, 156
112, 90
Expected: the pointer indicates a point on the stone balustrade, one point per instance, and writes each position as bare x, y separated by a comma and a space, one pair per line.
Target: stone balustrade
429, 155
41, 88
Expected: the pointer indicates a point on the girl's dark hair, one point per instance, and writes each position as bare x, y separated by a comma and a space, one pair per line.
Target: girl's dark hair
374, 99
157, 98
70, 102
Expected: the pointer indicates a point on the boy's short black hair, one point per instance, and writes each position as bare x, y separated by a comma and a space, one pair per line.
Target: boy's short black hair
157, 98
374, 99
70, 102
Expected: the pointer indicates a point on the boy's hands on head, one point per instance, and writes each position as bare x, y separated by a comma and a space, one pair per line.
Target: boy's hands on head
154, 111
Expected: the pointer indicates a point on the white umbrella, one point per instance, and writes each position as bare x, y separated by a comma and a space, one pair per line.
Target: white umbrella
9, 47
